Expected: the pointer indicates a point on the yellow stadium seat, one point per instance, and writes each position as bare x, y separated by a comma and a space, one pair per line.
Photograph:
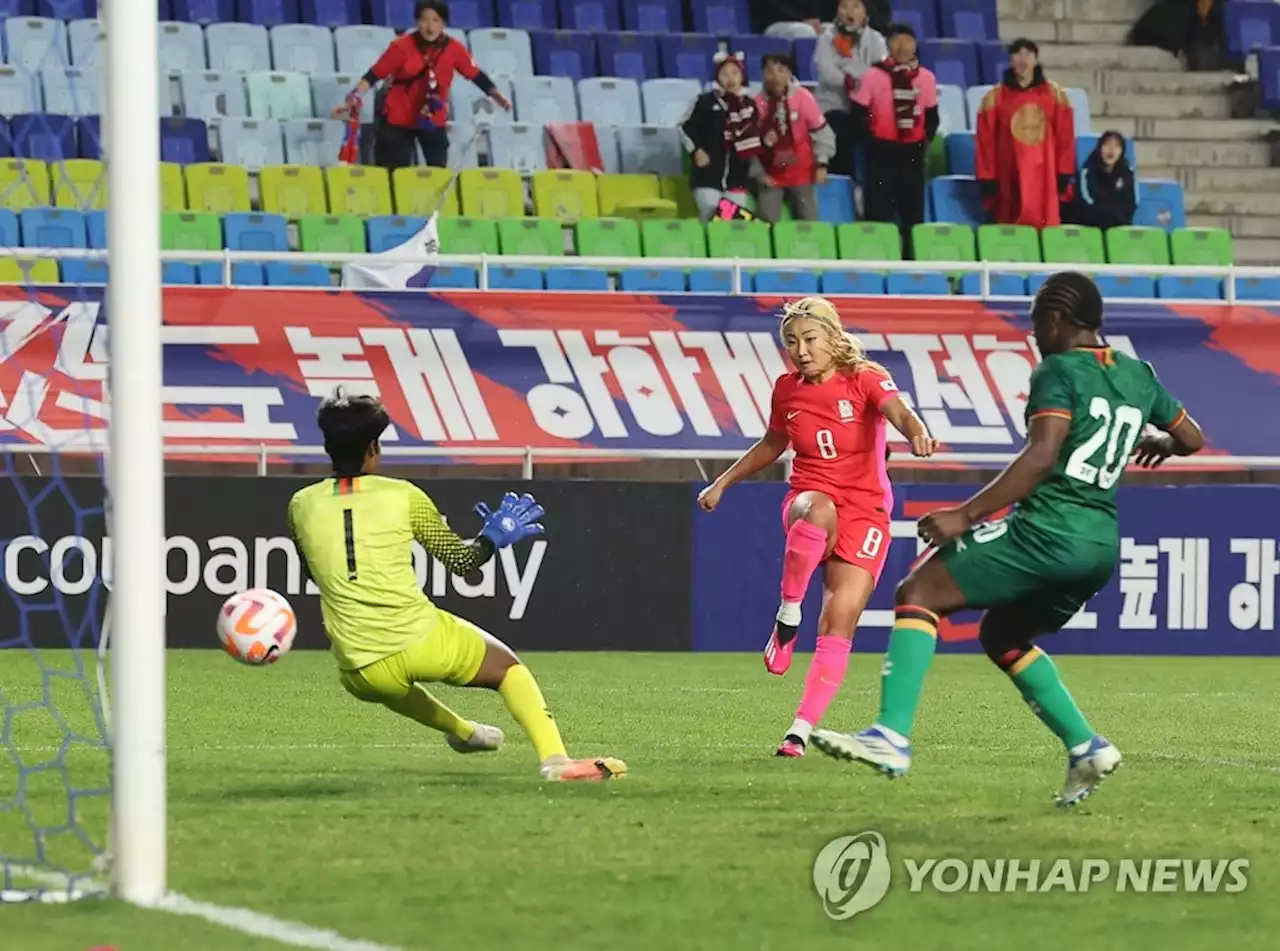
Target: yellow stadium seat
24, 270
359, 190
619, 192
173, 188
212, 186
79, 183
292, 190
24, 183
491, 193
418, 189
567, 196
675, 188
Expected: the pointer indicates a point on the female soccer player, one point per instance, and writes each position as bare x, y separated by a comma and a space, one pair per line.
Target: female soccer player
355, 532
832, 411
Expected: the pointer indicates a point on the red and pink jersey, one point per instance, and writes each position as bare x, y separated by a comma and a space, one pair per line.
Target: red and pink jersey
838, 434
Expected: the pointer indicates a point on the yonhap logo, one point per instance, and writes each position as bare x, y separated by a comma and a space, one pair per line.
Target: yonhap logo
851, 874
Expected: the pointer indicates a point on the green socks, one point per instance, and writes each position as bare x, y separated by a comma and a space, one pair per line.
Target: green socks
1038, 681
911, 647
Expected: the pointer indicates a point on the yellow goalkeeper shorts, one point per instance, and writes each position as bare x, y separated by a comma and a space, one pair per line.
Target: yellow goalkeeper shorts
451, 654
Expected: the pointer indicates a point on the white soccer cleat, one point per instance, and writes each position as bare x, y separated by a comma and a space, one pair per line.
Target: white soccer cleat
484, 739
1087, 769
870, 746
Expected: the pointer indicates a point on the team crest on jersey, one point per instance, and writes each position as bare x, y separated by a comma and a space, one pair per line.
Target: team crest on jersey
845, 409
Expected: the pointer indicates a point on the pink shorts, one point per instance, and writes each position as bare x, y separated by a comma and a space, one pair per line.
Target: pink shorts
862, 536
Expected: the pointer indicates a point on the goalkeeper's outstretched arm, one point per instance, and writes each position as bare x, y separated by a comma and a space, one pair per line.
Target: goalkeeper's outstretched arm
459, 556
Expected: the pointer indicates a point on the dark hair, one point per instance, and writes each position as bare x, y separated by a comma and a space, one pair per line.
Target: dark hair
1022, 43
350, 425
899, 29
782, 59
1072, 294
439, 7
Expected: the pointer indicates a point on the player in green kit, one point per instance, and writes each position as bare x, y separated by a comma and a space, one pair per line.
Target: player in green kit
1035, 569
355, 533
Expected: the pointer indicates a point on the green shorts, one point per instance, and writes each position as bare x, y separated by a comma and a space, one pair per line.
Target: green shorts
1049, 576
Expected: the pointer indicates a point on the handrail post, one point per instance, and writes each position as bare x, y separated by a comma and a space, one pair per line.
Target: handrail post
262, 458
526, 466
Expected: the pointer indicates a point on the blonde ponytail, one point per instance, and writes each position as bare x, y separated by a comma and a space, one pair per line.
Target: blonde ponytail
846, 349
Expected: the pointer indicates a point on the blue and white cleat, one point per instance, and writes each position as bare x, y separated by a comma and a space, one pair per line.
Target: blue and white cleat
871, 747
1085, 770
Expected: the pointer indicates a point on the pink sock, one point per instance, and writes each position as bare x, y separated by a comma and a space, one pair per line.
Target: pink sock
806, 544
826, 674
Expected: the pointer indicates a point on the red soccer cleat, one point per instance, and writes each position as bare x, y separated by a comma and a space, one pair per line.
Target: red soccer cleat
777, 655
790, 747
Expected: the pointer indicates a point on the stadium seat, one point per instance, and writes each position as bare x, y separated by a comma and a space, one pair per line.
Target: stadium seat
29, 271
993, 61
653, 16
24, 183
87, 47
331, 234
183, 141
576, 279
1002, 285
805, 49
738, 239
246, 274
1190, 288
212, 186
1201, 247
181, 49
279, 95
73, 91
952, 114
17, 93
675, 189
970, 20
651, 281
97, 222
1269, 77
337, 13
384, 232
954, 62
1258, 288
835, 200
238, 47
1250, 24
190, 231
804, 240
209, 94
958, 199
607, 238
530, 236
1138, 286
526, 14
1073, 244
852, 282
917, 282
327, 92
286, 274
869, 241
312, 141
468, 236
718, 281
667, 101
681, 238
358, 47
973, 97
267, 12
61, 9
628, 55
789, 282
565, 195
943, 242
173, 187
34, 43
84, 271
596, 16
1082, 117
1086, 142
1142, 246
178, 272
251, 142
359, 190
921, 16
650, 150
755, 48
1160, 204
610, 102
53, 228
518, 146
687, 55
502, 52
1008, 243
540, 100
419, 190
515, 279
721, 17
88, 135
44, 137
961, 153
255, 232
491, 193
622, 194
302, 48
564, 54
454, 278
467, 104
79, 183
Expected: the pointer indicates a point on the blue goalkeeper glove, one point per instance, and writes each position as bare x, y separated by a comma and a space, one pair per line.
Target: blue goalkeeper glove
516, 518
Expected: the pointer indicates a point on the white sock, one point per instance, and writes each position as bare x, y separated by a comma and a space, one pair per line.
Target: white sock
800, 729
893, 736
1080, 748
789, 613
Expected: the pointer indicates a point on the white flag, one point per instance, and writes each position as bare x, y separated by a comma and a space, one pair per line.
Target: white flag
423, 247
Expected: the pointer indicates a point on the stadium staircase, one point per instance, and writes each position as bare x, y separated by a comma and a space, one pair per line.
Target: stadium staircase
1199, 129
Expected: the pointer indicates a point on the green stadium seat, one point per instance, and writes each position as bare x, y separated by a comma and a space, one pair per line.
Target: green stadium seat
1073, 244
1201, 247
190, 231
566, 195
468, 236
530, 236
292, 190
173, 187
358, 190
1142, 246
418, 189
79, 183
212, 186
869, 241
24, 270
608, 238
1018, 243
806, 240
682, 238
738, 239
943, 242
331, 234
491, 193
623, 193
24, 183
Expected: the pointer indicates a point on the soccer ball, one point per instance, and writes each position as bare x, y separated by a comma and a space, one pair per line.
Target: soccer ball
257, 626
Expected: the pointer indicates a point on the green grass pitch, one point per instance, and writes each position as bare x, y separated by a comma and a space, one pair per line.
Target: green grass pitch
291, 798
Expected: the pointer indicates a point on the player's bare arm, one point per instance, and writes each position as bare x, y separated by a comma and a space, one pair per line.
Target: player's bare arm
1015, 483
1183, 438
904, 419
760, 456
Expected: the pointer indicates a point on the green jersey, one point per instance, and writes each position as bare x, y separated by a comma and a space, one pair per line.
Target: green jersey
1109, 398
356, 536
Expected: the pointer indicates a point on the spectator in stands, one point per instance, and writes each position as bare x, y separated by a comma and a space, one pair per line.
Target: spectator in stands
1193, 29
798, 143
764, 13
1105, 196
1026, 143
418, 68
722, 136
897, 102
845, 52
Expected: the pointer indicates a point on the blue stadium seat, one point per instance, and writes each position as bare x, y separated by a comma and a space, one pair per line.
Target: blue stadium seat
471, 14
17, 92
721, 17
247, 231
330, 91
97, 222
526, 14
49, 138
576, 279
651, 281
804, 49
973, 97
666, 101
650, 150
544, 99
1126, 285
611, 102
1086, 142
962, 153
358, 47
251, 142
564, 53
970, 20
35, 42
952, 114
459, 35
334, 13
469, 106
1251, 24
209, 273
454, 278
181, 47
1002, 285
754, 49
9, 230
183, 141
515, 279
88, 135
1082, 117
835, 200
717, 281
245, 274
309, 274
1160, 204
627, 55
397, 14
954, 62
596, 16
66, 9
687, 55
88, 46
653, 16
1269, 77
313, 141
72, 91
302, 48
211, 93
1258, 288
790, 282
6, 139
920, 15
956, 199
502, 52
204, 11
238, 47
993, 60
852, 282
17, 8
1190, 288
267, 12
82, 271
1035, 282
54, 228
178, 272
517, 146
389, 231
917, 282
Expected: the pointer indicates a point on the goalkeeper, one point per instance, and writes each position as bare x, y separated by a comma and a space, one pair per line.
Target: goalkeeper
354, 531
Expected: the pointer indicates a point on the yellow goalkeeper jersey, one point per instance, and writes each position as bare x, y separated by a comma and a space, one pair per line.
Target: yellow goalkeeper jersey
355, 535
